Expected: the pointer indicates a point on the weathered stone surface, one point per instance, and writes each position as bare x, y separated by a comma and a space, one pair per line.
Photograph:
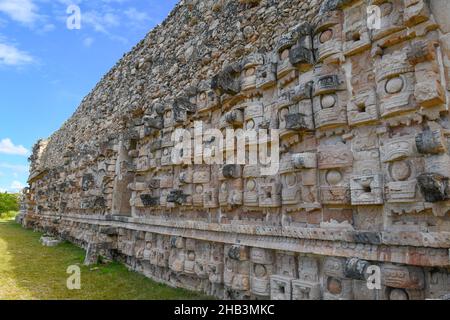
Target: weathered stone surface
362, 116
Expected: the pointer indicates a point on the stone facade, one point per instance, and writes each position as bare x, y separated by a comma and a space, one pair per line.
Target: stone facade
364, 159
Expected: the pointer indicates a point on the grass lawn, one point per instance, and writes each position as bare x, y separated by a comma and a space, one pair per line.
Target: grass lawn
29, 270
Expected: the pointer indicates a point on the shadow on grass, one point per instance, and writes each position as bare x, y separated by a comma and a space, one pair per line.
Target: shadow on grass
31, 271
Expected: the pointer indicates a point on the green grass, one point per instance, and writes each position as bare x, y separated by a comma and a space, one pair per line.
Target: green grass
31, 271
8, 215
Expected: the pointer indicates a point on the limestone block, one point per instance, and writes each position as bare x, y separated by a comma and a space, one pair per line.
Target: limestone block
402, 277
266, 76
391, 19
367, 190
284, 65
356, 33
269, 194
328, 35
431, 142
433, 186
249, 74
227, 81
280, 287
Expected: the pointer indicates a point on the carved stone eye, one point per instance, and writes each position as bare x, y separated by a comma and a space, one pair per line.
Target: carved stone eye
250, 72
326, 36
334, 286
334, 177
400, 170
283, 113
203, 96
260, 271
224, 187
387, 8
285, 54
328, 101
291, 180
199, 189
394, 85
398, 294
168, 114
251, 185
250, 125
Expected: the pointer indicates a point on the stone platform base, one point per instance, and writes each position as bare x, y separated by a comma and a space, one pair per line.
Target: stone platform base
244, 266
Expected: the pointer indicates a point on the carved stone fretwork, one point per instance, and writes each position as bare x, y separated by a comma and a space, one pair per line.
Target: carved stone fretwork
302, 52
336, 287
253, 115
330, 99
433, 186
266, 74
328, 35
363, 105
395, 83
431, 142
231, 193
366, 190
356, 268
207, 99
149, 200
249, 74
262, 268
334, 163
397, 148
234, 117
177, 197
439, 283
252, 182
391, 18
280, 288
284, 48
227, 81
237, 271
210, 198
307, 287
231, 171
303, 119
356, 32
351, 116
269, 193
402, 277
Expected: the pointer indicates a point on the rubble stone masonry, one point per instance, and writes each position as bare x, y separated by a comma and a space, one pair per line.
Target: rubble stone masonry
364, 153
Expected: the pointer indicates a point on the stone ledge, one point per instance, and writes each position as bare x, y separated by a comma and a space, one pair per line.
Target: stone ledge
403, 254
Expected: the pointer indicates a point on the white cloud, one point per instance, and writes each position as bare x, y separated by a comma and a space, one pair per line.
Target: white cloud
8, 147
88, 42
138, 16
14, 167
23, 11
100, 22
11, 56
16, 186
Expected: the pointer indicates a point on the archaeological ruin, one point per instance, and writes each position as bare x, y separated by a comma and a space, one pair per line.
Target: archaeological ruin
359, 93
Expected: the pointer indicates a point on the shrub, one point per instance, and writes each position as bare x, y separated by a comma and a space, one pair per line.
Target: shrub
9, 202
8, 215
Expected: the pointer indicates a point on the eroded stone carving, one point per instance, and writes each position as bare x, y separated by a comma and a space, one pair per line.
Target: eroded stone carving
364, 165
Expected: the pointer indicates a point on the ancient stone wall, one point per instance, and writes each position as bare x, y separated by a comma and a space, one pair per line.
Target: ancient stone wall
364, 135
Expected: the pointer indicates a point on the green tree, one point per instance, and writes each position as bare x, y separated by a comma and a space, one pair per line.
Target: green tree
9, 202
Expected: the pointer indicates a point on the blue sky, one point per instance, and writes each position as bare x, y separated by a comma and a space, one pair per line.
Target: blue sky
46, 68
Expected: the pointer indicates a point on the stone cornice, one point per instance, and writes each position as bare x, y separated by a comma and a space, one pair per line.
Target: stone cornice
420, 252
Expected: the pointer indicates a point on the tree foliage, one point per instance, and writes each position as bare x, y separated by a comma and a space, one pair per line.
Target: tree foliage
9, 202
